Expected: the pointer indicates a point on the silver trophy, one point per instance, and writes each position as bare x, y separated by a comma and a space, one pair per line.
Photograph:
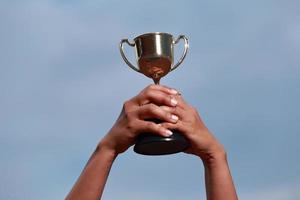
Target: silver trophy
155, 56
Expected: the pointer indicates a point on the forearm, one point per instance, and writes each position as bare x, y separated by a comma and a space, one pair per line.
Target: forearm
91, 182
218, 180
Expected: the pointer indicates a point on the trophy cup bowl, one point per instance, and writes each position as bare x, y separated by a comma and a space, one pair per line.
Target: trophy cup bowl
155, 55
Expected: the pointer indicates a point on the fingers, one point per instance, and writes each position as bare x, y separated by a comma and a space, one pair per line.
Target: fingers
146, 106
178, 111
140, 119
152, 111
151, 127
181, 102
162, 88
157, 97
178, 126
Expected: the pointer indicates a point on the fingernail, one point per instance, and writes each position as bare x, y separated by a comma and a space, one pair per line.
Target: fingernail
173, 102
173, 91
174, 118
168, 133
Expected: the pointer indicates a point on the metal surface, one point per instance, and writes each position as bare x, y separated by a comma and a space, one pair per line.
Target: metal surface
151, 47
186, 47
123, 55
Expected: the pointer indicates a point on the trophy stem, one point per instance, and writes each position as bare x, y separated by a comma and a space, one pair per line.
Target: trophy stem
156, 81
156, 78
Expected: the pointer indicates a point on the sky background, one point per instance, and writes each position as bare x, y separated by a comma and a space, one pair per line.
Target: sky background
63, 83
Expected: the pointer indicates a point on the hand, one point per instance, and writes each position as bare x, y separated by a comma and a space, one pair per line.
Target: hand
202, 142
156, 102
135, 113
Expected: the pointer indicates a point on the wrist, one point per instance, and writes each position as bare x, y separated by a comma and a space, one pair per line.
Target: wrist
214, 158
104, 148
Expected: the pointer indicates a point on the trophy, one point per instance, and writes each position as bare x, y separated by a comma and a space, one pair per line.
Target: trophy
155, 55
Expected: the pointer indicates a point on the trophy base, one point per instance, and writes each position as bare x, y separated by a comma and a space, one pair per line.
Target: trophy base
150, 144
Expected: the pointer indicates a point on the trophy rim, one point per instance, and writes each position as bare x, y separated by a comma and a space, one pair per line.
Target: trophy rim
152, 33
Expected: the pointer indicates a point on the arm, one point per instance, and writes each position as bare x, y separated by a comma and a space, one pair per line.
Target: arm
131, 122
160, 103
92, 180
218, 180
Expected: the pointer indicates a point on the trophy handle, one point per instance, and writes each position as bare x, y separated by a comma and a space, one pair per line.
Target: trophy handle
123, 55
186, 46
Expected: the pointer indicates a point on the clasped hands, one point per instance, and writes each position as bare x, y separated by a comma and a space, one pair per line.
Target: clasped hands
166, 104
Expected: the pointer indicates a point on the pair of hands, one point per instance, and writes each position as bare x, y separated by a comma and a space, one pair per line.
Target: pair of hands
157, 102
160, 102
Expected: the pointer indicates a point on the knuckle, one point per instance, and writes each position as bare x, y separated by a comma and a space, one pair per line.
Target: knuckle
131, 126
148, 93
150, 125
158, 112
167, 115
126, 106
152, 108
128, 112
147, 89
152, 86
170, 109
174, 109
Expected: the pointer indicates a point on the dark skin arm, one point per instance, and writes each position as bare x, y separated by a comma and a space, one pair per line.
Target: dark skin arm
218, 180
165, 104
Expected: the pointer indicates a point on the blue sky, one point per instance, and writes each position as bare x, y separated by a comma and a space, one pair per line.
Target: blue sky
63, 82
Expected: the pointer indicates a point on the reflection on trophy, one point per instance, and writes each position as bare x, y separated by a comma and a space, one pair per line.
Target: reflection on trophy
155, 55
